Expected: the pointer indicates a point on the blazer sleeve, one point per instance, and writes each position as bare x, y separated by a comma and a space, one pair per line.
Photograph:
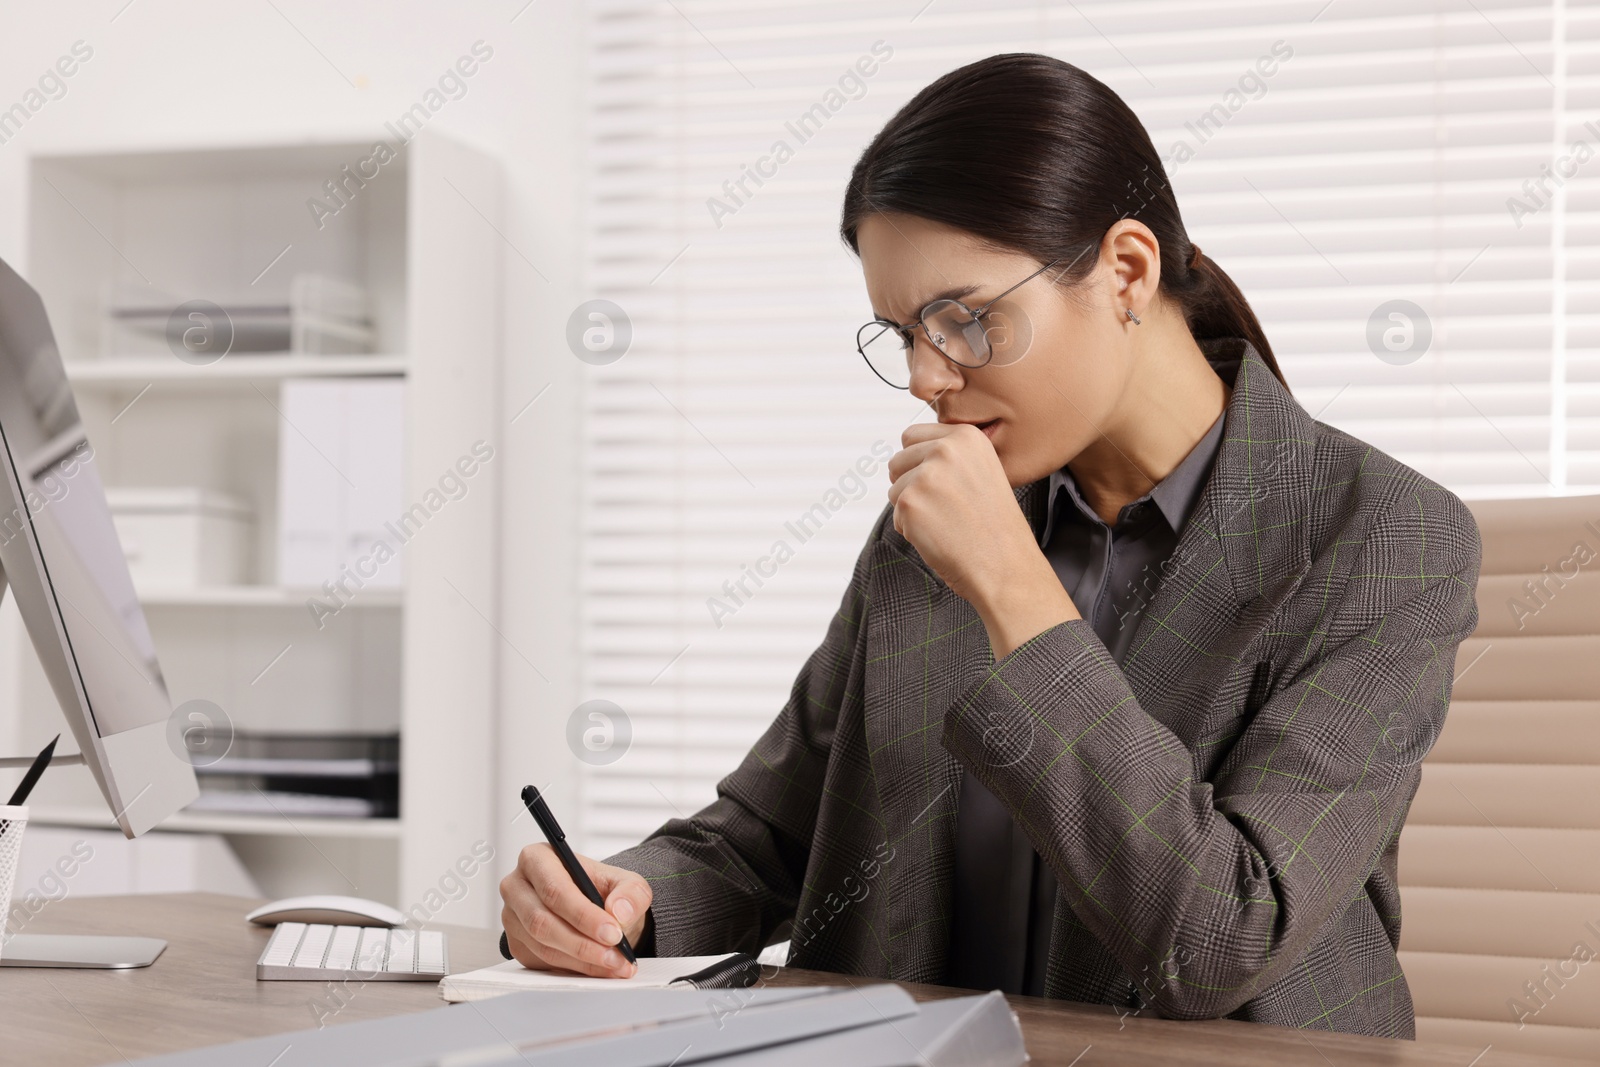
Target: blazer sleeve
725, 878
1221, 885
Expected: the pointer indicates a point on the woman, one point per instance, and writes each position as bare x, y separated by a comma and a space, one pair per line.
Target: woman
1126, 699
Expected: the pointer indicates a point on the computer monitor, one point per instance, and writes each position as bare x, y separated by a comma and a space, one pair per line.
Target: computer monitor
60, 555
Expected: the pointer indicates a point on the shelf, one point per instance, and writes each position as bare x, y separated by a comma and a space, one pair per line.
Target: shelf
136, 372
425, 243
220, 823
261, 596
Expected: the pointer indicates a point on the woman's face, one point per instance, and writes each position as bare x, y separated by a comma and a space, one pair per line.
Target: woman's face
1060, 362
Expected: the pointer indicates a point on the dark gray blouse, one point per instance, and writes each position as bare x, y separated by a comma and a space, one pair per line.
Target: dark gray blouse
1004, 893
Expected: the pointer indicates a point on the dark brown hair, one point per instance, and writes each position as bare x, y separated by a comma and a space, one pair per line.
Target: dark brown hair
1030, 153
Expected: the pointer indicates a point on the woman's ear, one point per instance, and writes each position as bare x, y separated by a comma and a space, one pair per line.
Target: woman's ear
1135, 258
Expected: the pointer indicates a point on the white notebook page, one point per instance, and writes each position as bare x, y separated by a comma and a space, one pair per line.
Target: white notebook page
654, 972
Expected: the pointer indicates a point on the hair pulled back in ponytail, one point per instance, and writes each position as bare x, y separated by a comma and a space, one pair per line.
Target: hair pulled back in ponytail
1033, 154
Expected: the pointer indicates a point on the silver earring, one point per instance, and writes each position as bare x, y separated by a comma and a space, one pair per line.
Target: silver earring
1132, 316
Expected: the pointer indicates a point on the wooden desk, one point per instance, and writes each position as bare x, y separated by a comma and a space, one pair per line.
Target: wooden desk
202, 991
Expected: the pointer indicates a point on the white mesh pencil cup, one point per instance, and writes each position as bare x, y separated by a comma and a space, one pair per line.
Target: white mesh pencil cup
13, 819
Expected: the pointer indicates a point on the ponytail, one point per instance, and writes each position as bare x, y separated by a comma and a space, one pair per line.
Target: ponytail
1214, 307
1031, 153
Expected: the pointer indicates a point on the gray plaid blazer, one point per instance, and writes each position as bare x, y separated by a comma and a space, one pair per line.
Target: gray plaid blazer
1222, 811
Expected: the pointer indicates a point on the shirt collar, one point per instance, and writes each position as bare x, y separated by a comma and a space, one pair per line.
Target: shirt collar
1175, 495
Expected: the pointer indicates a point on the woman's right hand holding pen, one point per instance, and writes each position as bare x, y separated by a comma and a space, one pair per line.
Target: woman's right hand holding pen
551, 925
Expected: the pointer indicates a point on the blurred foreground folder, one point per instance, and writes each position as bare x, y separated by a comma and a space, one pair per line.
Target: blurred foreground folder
869, 1026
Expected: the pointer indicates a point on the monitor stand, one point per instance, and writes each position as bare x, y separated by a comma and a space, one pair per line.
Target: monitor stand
94, 951
97, 951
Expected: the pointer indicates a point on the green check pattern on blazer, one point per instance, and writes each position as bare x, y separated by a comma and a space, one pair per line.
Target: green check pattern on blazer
1222, 811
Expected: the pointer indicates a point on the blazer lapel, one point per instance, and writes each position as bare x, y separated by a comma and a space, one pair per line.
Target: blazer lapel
923, 644
925, 647
1241, 554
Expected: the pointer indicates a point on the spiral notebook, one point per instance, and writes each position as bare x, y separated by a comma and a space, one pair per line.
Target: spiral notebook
727, 971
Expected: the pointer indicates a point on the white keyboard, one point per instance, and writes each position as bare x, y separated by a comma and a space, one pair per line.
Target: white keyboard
318, 952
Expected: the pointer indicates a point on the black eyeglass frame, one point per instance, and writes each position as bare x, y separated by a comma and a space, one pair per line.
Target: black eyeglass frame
975, 314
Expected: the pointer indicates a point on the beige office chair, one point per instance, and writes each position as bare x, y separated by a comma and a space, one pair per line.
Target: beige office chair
1500, 858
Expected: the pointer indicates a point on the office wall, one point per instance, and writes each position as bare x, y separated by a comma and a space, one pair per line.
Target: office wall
184, 73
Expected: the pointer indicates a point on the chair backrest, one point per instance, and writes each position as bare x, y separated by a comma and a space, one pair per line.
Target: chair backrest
1500, 857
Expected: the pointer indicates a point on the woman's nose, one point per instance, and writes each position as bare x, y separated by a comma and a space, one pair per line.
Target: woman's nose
931, 373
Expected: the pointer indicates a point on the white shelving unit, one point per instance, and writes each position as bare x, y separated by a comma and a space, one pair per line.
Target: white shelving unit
421, 238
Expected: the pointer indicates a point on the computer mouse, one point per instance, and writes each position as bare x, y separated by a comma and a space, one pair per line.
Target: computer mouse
337, 911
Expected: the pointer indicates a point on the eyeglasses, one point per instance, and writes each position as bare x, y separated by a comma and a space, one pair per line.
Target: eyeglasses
957, 332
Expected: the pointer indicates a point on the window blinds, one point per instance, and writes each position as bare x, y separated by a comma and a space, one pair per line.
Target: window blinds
1334, 158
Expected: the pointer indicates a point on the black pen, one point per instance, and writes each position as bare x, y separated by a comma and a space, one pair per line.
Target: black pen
40, 762
558, 841
29, 780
